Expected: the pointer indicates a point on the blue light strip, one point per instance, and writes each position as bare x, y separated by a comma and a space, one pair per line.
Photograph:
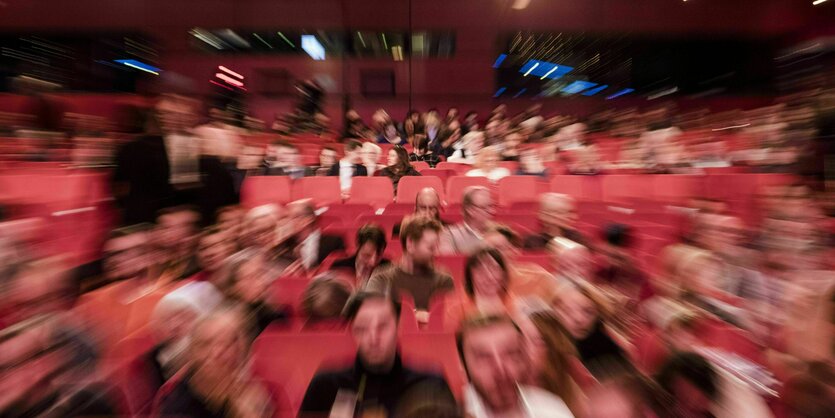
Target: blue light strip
595, 90
577, 87
499, 60
140, 66
620, 93
545, 69
520, 93
500, 91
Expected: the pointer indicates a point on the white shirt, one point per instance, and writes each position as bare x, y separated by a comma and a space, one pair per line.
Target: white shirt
493, 175
309, 251
346, 171
219, 140
183, 154
535, 403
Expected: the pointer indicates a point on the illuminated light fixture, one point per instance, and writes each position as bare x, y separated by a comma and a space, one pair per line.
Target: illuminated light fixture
221, 85
286, 40
207, 38
385, 44
500, 91
230, 80
620, 93
731, 127
235, 38
817, 2
230, 72
499, 60
140, 66
397, 53
577, 87
520, 93
362, 40
595, 90
662, 93
531, 69
262, 40
549, 72
313, 48
520, 4
419, 43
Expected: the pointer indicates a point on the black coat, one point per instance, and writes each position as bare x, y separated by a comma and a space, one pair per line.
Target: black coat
359, 170
142, 168
327, 244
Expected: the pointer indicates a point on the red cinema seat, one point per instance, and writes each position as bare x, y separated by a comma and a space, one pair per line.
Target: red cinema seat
293, 359
288, 291
518, 189
375, 191
624, 187
677, 188
574, 186
442, 173
458, 168
345, 214
454, 266
409, 187
324, 191
386, 221
456, 185
435, 352
420, 165
261, 190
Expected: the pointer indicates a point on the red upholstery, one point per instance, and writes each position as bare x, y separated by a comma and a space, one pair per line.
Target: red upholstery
324, 191
289, 291
375, 191
386, 220
409, 187
442, 173
345, 214
518, 189
458, 168
435, 352
677, 188
420, 165
261, 190
456, 185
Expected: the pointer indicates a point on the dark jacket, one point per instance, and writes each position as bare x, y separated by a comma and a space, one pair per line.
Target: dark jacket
540, 241
142, 169
299, 172
429, 158
359, 170
378, 390
327, 244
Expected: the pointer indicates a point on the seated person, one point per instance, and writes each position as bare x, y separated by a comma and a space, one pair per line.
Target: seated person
572, 262
217, 382
174, 236
371, 243
248, 279
557, 217
415, 274
323, 301
468, 236
307, 246
428, 204
495, 356
390, 135
529, 281
378, 382
423, 153
327, 159
260, 225
510, 148
398, 166
351, 165
213, 247
467, 148
486, 282
487, 165
283, 159
371, 153
530, 164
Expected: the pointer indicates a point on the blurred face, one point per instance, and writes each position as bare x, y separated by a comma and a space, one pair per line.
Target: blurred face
529, 159
299, 216
212, 250
35, 291
252, 280
392, 158
489, 280
610, 402
250, 158
498, 241
261, 232
558, 213
327, 157
375, 332
481, 209
175, 230
489, 160
287, 156
577, 312
428, 204
370, 156
423, 251
175, 325
496, 362
367, 255
218, 347
126, 257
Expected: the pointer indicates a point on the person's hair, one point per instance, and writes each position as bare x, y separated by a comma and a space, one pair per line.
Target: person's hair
228, 208
413, 228
374, 234
691, 367
477, 258
283, 143
352, 307
179, 209
325, 298
478, 322
130, 230
327, 147
421, 142
352, 145
469, 193
402, 166
559, 350
209, 231
592, 293
619, 235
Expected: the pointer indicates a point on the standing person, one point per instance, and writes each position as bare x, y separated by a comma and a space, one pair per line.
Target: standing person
468, 236
398, 166
220, 139
349, 166
141, 177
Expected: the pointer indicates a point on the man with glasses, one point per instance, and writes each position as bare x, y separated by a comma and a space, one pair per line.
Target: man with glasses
468, 236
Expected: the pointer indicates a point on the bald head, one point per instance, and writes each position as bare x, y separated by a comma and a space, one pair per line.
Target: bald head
557, 212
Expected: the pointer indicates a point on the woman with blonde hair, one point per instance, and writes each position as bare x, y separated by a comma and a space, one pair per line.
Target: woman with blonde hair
487, 165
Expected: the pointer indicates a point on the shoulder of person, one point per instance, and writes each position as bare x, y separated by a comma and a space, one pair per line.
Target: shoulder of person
540, 400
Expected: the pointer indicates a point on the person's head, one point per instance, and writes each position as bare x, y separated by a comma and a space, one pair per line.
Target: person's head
248, 276
250, 157
477, 207
552, 349
174, 317
428, 203
327, 156
512, 141
556, 212
374, 319
617, 240
419, 238
259, 226
579, 308
691, 382
486, 275
494, 354
473, 141
176, 228
421, 144
699, 274
219, 347
371, 243
127, 253
371, 153
488, 159
213, 246
229, 220
36, 287
325, 298
302, 215
353, 151
530, 161
452, 114
629, 395
398, 160
284, 153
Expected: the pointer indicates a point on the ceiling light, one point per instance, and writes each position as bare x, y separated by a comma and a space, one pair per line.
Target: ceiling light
230, 72
262, 40
520, 4
286, 40
140, 66
536, 64
817, 2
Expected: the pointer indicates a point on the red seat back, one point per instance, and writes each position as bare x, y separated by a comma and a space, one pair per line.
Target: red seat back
261, 190
324, 191
375, 191
409, 187
442, 173
455, 186
514, 189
